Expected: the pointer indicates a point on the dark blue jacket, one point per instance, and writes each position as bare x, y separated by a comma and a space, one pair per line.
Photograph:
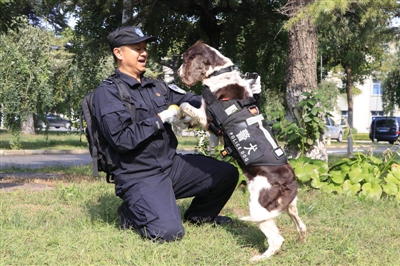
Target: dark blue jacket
146, 146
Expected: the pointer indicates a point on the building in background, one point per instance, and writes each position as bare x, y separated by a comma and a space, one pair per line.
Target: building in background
366, 106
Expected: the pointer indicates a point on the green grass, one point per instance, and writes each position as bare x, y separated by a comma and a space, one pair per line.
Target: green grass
75, 223
66, 141
74, 141
50, 141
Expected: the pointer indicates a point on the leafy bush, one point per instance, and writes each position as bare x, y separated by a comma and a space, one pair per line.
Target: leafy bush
364, 176
310, 125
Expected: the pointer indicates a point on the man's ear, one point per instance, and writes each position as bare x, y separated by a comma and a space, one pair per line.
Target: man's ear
118, 52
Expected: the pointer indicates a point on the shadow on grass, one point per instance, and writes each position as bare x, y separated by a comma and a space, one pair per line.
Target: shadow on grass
105, 209
247, 234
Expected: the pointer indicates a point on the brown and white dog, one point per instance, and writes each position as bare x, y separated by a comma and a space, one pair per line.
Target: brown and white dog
273, 189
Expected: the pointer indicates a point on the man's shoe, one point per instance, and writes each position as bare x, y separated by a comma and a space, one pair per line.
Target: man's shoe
223, 220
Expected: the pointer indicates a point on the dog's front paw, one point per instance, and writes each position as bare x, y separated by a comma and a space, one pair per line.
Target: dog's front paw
258, 258
197, 115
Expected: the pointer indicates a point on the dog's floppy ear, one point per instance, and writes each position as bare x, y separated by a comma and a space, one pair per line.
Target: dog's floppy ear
194, 66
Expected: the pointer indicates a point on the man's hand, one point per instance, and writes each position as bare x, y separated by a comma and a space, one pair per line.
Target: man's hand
254, 81
169, 116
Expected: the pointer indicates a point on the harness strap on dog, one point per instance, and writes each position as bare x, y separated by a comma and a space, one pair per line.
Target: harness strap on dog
222, 71
220, 111
258, 120
214, 110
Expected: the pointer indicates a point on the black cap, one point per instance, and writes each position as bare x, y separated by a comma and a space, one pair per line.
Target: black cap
127, 35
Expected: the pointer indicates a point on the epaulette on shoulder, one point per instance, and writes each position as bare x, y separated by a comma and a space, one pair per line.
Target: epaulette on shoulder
176, 89
108, 81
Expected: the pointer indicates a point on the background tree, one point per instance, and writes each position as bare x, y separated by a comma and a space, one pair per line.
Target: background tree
32, 69
301, 73
256, 44
356, 41
391, 85
52, 12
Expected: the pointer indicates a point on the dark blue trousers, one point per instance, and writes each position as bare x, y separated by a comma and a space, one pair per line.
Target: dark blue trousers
149, 205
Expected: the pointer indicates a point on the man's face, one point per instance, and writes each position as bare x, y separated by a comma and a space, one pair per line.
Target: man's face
132, 58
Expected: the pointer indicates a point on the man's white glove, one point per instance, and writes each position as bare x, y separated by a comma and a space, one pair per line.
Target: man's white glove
255, 86
169, 116
183, 122
254, 82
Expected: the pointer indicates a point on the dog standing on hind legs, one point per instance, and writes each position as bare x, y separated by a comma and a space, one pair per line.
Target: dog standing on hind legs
229, 109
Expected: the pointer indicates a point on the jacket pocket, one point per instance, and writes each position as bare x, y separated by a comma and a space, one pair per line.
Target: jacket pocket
160, 102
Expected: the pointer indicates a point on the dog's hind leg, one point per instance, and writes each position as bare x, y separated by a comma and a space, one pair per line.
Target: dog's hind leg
274, 238
294, 215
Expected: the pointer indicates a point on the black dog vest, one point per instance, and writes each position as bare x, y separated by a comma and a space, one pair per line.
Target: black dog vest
247, 137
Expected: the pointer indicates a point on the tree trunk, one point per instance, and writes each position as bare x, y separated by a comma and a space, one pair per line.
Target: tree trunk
301, 75
126, 12
28, 126
349, 110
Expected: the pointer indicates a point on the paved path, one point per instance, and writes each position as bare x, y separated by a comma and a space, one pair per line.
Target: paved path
33, 161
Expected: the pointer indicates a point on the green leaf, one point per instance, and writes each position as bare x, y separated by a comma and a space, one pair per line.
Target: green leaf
316, 183
374, 170
371, 178
345, 168
390, 189
351, 188
365, 168
375, 160
303, 173
356, 175
338, 178
322, 166
395, 169
372, 191
307, 119
391, 179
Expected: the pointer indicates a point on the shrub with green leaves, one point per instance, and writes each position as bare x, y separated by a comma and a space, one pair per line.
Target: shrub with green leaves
364, 176
309, 127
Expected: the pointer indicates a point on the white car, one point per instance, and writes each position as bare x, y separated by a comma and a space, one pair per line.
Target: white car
333, 130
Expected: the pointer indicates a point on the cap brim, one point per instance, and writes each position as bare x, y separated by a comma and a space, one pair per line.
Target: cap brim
143, 39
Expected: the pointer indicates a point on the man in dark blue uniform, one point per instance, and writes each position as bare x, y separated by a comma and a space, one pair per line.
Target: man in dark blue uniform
148, 173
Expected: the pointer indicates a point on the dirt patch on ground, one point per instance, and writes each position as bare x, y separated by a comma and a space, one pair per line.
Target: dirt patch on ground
30, 181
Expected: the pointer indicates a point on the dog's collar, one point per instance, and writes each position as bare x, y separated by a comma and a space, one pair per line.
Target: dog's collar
221, 71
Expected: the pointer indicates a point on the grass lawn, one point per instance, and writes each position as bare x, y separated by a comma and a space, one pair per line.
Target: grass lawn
74, 222
73, 140
66, 140
63, 140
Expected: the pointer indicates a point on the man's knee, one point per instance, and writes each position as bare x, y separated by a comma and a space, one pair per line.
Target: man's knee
231, 173
166, 231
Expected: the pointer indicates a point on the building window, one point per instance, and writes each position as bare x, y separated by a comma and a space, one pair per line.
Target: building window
376, 113
377, 89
